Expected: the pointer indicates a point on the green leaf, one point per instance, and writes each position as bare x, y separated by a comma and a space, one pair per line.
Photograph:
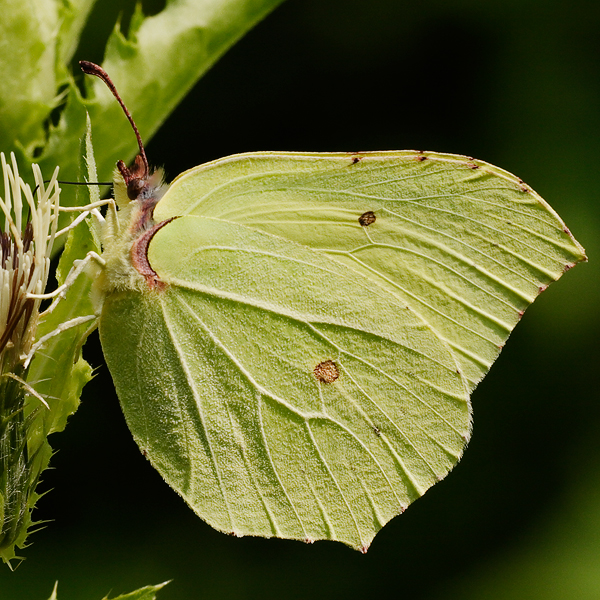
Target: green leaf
146, 593
59, 372
296, 355
153, 68
54, 596
27, 66
73, 16
37, 40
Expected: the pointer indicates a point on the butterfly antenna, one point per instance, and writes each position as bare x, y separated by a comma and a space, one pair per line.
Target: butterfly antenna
92, 69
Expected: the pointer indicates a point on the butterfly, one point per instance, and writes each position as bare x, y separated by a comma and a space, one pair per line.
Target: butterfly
294, 337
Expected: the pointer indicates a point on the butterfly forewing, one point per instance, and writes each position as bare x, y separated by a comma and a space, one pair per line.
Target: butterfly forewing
466, 245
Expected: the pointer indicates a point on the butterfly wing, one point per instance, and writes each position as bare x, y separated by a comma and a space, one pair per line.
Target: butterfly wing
279, 392
305, 370
466, 245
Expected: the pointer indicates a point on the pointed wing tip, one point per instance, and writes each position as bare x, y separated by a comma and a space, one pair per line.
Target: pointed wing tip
363, 549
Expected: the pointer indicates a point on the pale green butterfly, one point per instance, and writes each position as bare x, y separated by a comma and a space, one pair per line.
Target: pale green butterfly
294, 337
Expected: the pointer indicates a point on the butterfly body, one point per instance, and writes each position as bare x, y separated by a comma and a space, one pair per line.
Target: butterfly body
126, 269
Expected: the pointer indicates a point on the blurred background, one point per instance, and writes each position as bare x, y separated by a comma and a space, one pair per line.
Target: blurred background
515, 83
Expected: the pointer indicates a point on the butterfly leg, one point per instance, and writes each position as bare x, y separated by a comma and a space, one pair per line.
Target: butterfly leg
85, 211
79, 266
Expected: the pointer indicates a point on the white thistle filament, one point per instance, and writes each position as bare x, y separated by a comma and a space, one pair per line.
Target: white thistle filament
25, 257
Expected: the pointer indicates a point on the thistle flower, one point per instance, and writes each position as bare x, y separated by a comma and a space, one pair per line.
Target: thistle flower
25, 260
29, 227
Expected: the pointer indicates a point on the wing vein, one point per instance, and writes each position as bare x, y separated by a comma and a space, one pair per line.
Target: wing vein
190, 380
259, 389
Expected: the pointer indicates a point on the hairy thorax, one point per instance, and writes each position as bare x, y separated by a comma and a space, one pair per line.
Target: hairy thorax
125, 239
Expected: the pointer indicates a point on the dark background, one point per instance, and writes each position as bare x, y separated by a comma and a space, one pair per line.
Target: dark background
515, 83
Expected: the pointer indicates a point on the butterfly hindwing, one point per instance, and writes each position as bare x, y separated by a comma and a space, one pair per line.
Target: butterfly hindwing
280, 392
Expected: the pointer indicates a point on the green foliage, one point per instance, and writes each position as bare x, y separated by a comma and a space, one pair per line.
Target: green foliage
57, 374
146, 593
153, 66
59, 371
303, 367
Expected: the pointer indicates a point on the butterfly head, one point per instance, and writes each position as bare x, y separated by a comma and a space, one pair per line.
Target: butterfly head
141, 184
141, 189
134, 177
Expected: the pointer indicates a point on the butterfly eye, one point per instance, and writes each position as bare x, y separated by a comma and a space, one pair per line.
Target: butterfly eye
134, 187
